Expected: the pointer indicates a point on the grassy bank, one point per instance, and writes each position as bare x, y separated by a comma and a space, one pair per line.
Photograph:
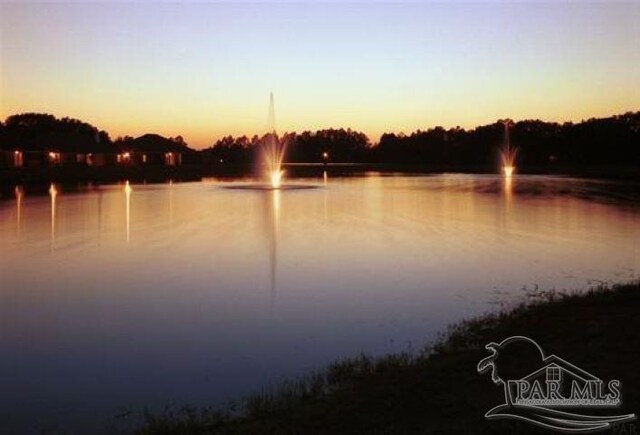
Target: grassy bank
439, 389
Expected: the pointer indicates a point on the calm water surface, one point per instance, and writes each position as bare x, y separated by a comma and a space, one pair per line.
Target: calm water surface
113, 300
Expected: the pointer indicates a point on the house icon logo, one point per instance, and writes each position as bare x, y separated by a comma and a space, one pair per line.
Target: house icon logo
547, 390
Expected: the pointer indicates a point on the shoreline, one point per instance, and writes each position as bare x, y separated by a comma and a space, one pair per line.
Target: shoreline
195, 172
438, 390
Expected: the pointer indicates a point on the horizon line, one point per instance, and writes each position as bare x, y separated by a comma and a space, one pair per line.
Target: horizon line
299, 131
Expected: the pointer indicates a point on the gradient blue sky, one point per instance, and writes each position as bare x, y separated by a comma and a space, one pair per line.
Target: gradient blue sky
204, 70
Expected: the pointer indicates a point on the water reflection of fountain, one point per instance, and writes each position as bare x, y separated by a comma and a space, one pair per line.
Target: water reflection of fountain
508, 189
508, 153
100, 221
19, 192
170, 202
325, 178
53, 193
127, 194
272, 205
506, 213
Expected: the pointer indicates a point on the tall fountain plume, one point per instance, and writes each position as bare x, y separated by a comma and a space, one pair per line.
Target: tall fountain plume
507, 153
273, 150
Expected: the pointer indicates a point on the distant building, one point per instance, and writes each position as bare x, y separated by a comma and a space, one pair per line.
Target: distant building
34, 140
152, 149
11, 158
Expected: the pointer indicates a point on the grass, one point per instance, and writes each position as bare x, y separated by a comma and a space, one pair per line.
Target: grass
438, 389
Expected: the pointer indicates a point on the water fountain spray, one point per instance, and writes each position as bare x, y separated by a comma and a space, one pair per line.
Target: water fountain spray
508, 153
273, 150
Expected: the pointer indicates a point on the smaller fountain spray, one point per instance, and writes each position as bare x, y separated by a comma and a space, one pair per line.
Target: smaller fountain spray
508, 153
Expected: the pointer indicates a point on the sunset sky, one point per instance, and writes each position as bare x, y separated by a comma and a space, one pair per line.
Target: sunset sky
205, 70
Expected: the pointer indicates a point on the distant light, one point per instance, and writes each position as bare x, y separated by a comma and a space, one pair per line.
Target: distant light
16, 152
325, 155
126, 155
221, 161
54, 157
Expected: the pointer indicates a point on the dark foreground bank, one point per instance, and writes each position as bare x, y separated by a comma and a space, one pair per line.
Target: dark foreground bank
440, 390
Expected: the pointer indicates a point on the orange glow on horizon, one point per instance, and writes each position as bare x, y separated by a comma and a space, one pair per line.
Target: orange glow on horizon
178, 74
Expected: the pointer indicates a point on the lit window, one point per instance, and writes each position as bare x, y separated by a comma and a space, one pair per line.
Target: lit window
124, 157
169, 159
17, 159
54, 158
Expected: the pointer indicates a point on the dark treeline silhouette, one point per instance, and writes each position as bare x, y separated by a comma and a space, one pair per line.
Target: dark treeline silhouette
234, 150
605, 141
595, 142
340, 145
41, 132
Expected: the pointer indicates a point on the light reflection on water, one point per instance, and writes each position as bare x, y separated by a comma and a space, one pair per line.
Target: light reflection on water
125, 296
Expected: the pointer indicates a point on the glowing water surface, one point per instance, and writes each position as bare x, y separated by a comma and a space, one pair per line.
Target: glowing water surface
119, 297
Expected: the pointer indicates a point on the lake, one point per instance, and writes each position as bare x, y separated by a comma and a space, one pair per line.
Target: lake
119, 298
